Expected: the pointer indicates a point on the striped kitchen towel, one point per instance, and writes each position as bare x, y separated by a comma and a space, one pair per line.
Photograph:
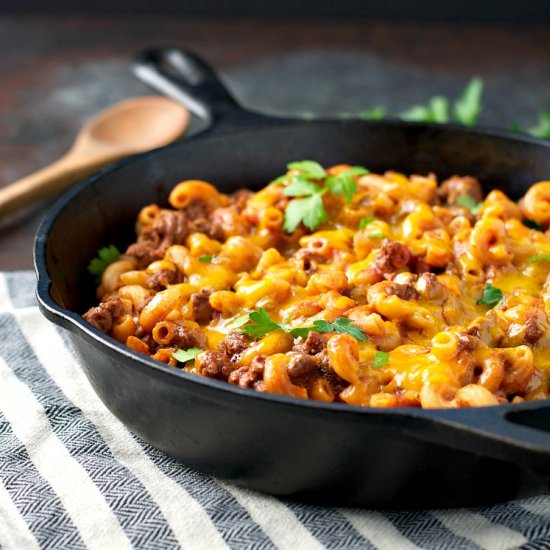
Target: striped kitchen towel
72, 476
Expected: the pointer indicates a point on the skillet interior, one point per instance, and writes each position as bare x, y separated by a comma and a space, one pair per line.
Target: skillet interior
382, 458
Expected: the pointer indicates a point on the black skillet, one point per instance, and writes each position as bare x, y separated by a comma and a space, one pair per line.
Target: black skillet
302, 449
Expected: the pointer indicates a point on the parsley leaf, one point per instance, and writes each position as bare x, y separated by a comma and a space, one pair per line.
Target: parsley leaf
184, 355
300, 332
542, 129
381, 359
309, 210
539, 258
205, 259
468, 106
344, 184
491, 295
376, 113
105, 257
532, 224
238, 321
470, 203
363, 222
375, 235
300, 186
342, 324
260, 324
309, 168
437, 110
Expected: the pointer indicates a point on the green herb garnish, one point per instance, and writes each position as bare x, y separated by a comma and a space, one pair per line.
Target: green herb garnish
344, 184
206, 258
467, 107
239, 321
363, 222
308, 168
470, 203
491, 295
375, 235
542, 129
532, 224
185, 355
376, 113
381, 359
105, 257
262, 324
437, 110
539, 258
342, 324
307, 206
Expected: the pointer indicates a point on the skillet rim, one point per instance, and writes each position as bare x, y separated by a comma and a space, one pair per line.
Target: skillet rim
74, 322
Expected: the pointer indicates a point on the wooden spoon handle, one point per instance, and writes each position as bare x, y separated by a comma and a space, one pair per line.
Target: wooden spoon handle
46, 182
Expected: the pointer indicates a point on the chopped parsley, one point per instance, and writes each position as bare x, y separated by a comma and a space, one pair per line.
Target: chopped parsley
260, 324
491, 295
185, 355
375, 235
540, 258
376, 113
105, 257
381, 359
342, 324
363, 222
467, 107
437, 110
238, 321
307, 190
542, 129
206, 258
470, 203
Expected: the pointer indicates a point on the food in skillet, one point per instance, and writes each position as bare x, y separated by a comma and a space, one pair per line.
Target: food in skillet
341, 285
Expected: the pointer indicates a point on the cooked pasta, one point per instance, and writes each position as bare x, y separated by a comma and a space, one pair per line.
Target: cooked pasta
340, 285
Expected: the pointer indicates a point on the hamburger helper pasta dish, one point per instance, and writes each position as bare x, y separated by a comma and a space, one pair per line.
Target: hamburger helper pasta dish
341, 285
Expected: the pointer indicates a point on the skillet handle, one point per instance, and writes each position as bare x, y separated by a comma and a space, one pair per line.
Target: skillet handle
184, 77
519, 434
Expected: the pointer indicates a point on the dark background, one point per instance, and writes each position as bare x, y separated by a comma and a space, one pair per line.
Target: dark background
514, 11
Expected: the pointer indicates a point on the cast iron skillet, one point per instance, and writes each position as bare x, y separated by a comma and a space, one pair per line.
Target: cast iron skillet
306, 450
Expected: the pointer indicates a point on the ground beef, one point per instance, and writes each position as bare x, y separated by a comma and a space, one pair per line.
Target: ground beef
160, 279
172, 227
302, 364
467, 342
391, 257
449, 191
200, 302
201, 220
405, 292
143, 253
185, 337
103, 315
533, 331
250, 376
314, 343
215, 364
233, 345
239, 199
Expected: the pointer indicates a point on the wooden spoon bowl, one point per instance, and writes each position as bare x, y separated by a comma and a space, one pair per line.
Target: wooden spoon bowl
131, 126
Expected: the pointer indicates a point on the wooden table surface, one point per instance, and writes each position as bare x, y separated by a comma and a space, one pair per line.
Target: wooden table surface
56, 72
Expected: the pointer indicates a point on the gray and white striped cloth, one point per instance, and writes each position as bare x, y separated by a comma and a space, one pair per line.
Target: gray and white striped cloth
72, 476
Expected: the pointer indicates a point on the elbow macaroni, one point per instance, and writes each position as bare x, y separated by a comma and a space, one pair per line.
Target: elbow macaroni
403, 262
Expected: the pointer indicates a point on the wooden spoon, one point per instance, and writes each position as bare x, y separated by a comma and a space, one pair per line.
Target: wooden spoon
131, 126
